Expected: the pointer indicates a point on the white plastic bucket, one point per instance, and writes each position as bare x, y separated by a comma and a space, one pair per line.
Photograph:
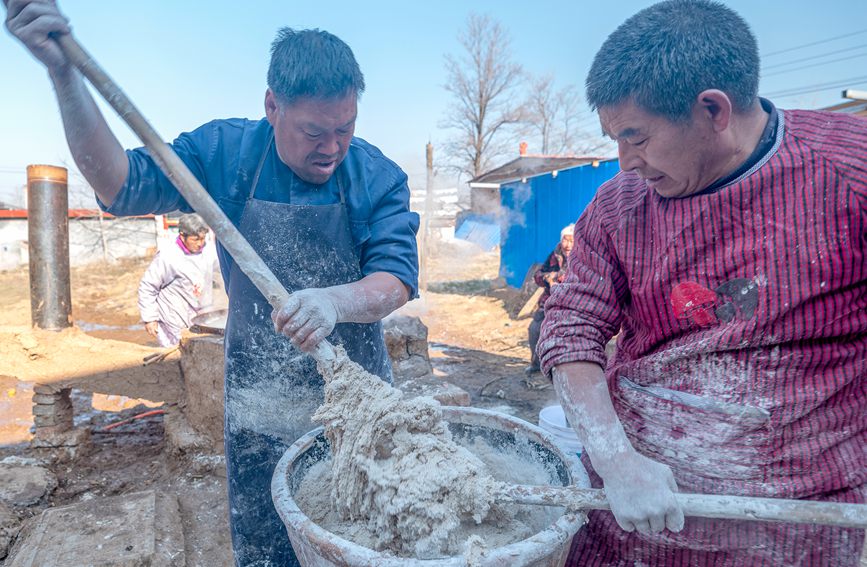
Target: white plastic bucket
553, 420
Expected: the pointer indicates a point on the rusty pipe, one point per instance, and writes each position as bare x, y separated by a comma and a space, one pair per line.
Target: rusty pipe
48, 234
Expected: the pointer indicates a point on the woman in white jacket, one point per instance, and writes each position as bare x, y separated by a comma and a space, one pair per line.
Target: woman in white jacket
179, 282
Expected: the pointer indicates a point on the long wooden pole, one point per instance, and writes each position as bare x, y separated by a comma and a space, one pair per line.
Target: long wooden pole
704, 505
189, 187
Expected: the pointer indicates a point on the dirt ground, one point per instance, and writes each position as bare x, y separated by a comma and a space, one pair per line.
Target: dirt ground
474, 344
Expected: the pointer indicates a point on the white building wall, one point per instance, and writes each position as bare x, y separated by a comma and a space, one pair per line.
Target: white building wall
13, 243
124, 238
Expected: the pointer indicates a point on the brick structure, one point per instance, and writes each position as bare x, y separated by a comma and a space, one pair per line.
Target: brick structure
406, 341
52, 409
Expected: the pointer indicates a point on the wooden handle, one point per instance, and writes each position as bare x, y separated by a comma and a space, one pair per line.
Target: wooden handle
704, 505
187, 184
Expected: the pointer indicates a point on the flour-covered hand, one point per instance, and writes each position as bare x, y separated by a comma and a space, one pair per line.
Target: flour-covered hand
306, 318
641, 493
32, 22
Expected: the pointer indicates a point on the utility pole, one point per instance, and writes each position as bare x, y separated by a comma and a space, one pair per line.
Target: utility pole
426, 226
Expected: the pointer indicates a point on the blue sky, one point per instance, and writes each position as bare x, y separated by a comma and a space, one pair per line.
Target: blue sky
184, 63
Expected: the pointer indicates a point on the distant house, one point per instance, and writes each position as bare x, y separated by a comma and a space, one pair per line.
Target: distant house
857, 103
530, 199
485, 189
91, 239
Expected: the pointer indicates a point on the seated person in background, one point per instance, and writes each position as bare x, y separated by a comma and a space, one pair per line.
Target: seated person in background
552, 272
179, 282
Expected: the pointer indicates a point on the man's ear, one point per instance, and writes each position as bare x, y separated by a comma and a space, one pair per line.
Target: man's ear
714, 106
271, 107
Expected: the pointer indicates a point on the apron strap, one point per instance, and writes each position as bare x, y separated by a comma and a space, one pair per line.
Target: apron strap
341, 183
259, 167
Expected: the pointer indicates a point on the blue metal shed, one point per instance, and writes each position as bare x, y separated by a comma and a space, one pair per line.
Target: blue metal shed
535, 209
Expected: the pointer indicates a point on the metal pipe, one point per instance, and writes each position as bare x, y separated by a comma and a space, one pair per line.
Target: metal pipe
48, 232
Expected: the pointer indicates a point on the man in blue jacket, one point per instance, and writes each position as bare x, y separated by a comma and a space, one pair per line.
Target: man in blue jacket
327, 212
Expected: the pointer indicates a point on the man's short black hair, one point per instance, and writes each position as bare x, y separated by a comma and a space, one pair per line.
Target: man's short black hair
312, 63
663, 56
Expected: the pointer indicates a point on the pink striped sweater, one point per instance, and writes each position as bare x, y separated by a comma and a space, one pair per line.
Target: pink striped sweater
742, 355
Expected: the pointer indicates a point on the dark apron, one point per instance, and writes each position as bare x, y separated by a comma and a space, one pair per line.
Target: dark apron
272, 388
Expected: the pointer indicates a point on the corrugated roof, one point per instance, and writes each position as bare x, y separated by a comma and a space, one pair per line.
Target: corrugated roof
856, 107
530, 166
482, 230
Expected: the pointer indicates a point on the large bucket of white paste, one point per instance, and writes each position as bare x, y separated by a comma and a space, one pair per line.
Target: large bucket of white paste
548, 547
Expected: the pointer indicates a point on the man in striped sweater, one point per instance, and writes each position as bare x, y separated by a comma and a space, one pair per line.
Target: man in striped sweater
732, 252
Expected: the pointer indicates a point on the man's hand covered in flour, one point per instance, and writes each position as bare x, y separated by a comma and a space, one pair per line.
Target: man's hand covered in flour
308, 317
641, 494
31, 21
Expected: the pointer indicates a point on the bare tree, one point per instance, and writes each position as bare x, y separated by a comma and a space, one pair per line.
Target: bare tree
556, 119
546, 110
481, 81
587, 139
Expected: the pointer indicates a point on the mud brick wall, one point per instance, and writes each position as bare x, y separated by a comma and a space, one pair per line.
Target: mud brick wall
406, 341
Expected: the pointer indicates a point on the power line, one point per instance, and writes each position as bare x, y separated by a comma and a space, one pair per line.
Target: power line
585, 118
586, 125
802, 46
776, 65
815, 64
804, 89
